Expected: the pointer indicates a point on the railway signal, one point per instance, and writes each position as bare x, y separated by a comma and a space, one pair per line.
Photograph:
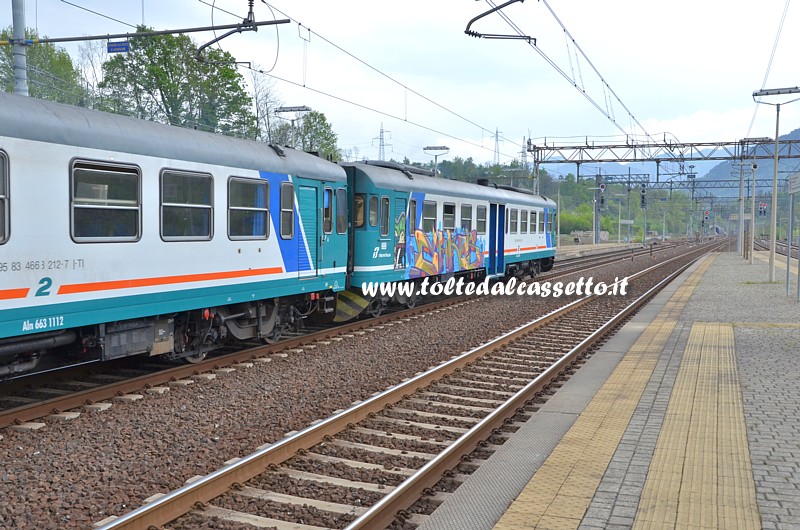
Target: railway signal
643, 191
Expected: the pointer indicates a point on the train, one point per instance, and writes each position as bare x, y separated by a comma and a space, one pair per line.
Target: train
122, 237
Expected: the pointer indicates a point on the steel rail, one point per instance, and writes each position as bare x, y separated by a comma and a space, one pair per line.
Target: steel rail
181, 501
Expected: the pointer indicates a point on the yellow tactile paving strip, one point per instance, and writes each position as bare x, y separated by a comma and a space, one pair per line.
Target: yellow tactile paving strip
560, 492
701, 476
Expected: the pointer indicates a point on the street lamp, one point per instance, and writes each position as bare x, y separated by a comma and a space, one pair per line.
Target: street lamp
437, 151
773, 236
297, 110
690, 176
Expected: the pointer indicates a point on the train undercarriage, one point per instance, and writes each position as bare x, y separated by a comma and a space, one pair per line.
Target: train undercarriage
186, 335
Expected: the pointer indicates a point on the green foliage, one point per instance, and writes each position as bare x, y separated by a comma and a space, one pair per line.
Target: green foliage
316, 134
51, 73
160, 80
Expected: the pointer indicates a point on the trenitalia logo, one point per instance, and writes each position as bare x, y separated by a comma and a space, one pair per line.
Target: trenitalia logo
458, 287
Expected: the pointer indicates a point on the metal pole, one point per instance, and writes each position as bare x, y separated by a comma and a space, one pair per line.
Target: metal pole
789, 249
773, 237
752, 243
20, 51
663, 225
619, 219
740, 242
644, 228
629, 212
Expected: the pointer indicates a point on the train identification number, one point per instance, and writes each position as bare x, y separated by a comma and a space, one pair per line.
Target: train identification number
41, 324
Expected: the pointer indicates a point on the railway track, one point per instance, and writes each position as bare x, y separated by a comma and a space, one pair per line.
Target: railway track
365, 466
57, 393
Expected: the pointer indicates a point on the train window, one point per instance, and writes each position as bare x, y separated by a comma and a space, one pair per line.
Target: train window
449, 216
541, 222
412, 215
506, 226
480, 220
186, 200
106, 202
327, 210
287, 210
514, 218
248, 208
373, 210
341, 211
4, 224
429, 216
466, 217
523, 221
533, 223
384, 216
358, 211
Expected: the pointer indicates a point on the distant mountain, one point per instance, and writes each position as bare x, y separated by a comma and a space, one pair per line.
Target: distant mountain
726, 170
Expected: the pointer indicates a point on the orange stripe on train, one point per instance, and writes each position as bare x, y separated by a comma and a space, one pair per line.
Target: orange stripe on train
12, 294
164, 280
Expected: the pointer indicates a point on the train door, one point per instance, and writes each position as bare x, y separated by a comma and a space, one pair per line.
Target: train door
400, 229
308, 247
492, 238
501, 238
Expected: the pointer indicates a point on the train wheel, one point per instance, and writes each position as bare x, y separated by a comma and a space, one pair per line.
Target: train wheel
375, 307
196, 358
412, 301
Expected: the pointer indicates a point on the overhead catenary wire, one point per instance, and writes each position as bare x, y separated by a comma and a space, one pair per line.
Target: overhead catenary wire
769, 64
390, 78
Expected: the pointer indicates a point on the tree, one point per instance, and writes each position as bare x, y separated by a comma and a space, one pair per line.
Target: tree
160, 80
314, 133
265, 101
51, 73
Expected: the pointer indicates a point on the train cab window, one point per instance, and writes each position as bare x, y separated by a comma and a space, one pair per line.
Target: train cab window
384, 216
429, 216
449, 216
523, 221
514, 220
341, 211
533, 223
541, 222
4, 224
480, 220
373, 210
287, 210
327, 210
105, 200
412, 215
248, 208
466, 217
358, 211
186, 212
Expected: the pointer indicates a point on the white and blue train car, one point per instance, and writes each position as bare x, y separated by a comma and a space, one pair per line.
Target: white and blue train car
121, 236
408, 225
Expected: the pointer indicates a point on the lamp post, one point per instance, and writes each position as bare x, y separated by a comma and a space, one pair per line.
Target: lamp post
690, 176
297, 110
773, 236
438, 150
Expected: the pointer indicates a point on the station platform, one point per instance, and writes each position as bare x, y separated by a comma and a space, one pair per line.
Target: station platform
689, 417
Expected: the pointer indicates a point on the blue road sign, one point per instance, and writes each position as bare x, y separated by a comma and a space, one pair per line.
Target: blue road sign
119, 46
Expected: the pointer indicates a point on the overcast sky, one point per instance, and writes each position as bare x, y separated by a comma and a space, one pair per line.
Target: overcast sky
682, 68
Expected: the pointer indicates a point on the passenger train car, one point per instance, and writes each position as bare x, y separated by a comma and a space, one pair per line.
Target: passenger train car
132, 237
123, 237
407, 225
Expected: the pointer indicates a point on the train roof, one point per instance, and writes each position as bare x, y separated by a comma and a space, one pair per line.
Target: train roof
405, 178
45, 121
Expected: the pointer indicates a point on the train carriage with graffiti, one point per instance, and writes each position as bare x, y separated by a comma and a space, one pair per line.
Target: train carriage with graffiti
408, 224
